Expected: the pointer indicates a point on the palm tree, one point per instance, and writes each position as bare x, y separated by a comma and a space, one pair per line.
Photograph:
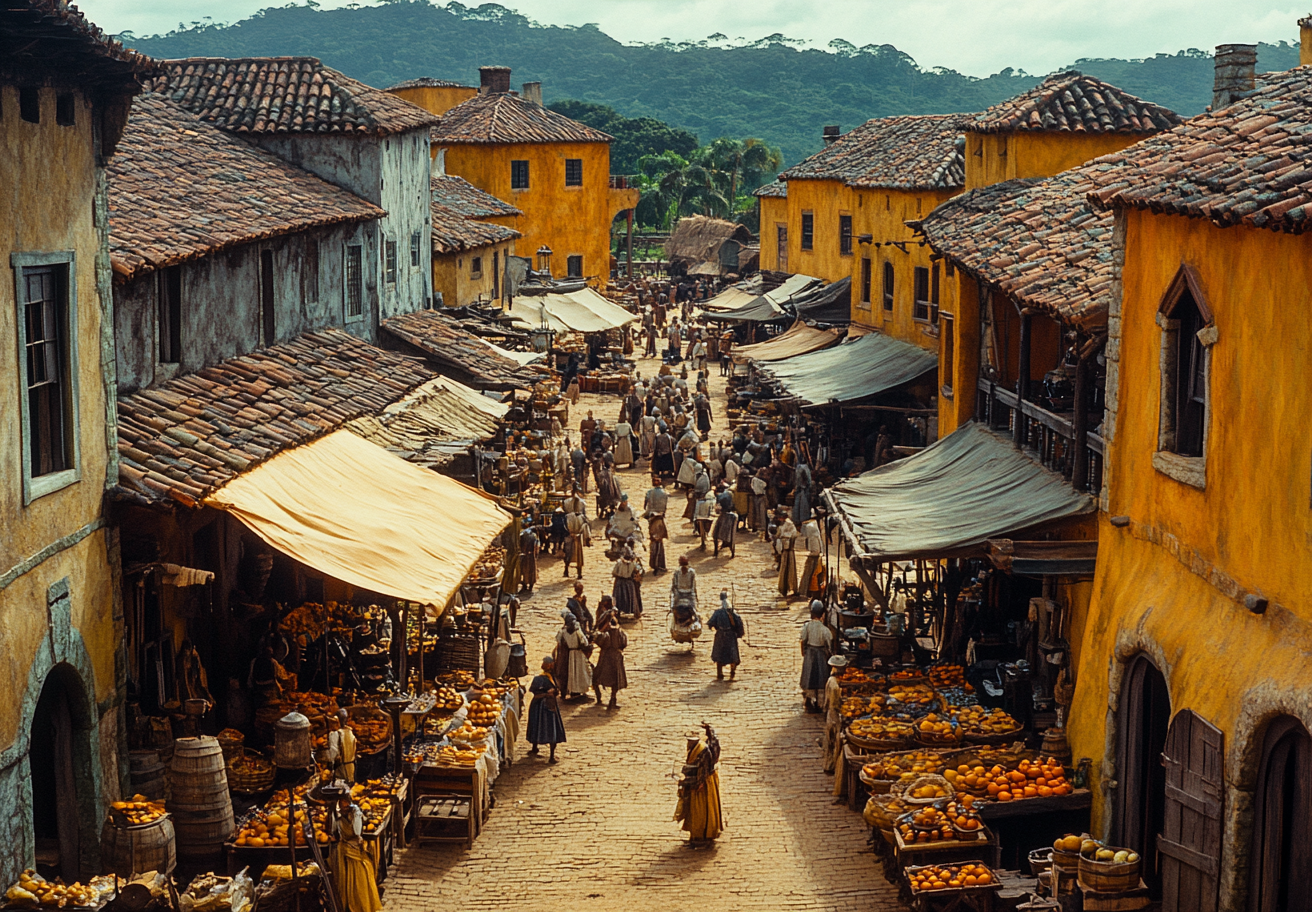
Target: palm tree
673, 186
744, 163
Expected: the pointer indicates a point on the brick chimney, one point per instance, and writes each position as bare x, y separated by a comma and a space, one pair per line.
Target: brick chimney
1305, 41
831, 133
493, 80
1236, 74
532, 91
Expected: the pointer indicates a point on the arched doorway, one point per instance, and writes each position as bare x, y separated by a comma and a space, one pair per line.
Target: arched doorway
60, 761
1282, 833
1144, 717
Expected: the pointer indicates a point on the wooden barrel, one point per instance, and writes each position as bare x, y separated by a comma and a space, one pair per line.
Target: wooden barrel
129, 851
199, 799
147, 775
1107, 876
1056, 746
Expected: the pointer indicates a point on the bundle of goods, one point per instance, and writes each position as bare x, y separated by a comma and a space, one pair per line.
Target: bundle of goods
211, 893
927, 878
1041, 778
488, 568
372, 727
136, 811
33, 890
993, 726
308, 621
251, 773
941, 676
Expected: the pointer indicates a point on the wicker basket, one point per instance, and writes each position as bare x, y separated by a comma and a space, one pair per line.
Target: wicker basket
878, 745
904, 788
1107, 876
245, 780
993, 738
230, 741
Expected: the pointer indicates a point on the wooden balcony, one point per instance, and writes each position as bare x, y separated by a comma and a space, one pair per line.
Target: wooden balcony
1048, 435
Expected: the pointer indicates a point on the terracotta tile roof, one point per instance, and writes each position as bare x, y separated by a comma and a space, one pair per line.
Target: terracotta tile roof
1036, 240
504, 117
180, 188
1073, 102
192, 435
454, 231
53, 39
775, 190
458, 353
428, 82
1247, 164
914, 152
286, 95
460, 195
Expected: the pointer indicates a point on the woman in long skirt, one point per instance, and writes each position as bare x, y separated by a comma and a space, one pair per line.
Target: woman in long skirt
545, 725
611, 640
785, 545
627, 590
817, 642
624, 444
725, 524
575, 674
647, 435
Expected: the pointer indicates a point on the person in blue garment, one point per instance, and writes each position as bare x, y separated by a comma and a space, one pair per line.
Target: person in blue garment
545, 725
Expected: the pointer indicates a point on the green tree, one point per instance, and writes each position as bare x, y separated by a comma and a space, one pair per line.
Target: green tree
744, 164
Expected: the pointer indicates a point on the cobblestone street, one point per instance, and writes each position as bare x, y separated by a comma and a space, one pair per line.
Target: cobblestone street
595, 832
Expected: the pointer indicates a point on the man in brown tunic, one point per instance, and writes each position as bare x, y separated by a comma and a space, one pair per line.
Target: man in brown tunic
610, 639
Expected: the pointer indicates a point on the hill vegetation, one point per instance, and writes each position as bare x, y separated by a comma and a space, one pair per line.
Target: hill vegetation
770, 88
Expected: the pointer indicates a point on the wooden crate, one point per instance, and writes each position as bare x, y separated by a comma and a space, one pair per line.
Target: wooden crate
445, 818
948, 851
1124, 901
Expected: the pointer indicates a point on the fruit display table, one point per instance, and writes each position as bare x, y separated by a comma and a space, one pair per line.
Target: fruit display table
1035, 822
985, 848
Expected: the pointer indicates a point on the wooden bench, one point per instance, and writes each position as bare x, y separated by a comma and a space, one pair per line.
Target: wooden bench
445, 818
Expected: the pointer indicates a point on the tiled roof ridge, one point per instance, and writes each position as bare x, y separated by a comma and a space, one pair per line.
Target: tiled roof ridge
507, 118
454, 231
104, 45
1072, 101
899, 152
182, 440
428, 82
182, 188
442, 339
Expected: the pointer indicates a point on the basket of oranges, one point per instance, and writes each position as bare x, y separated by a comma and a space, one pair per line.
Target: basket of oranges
967, 876
936, 731
963, 817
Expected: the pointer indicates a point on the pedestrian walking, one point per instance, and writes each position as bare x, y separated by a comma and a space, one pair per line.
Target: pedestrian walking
577, 605
573, 673
528, 558
703, 517
831, 743
610, 641
653, 508
698, 807
578, 536
785, 546
813, 581
729, 628
725, 526
817, 642
545, 726
627, 589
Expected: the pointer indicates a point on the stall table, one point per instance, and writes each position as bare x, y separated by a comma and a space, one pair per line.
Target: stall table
1033, 823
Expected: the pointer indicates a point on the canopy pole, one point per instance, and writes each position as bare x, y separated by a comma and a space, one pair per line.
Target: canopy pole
1022, 378
628, 256
1080, 426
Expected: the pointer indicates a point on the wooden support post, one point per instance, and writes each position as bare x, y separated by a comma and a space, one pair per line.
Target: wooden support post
1022, 378
629, 244
1080, 425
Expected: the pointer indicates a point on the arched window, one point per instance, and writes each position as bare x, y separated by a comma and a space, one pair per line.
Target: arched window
1282, 836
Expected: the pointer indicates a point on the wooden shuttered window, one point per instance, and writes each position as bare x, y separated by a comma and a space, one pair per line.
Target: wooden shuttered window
45, 314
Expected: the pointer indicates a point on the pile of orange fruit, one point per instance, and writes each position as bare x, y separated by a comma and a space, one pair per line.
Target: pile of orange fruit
915, 694
136, 811
933, 728
881, 729
484, 710
947, 676
1042, 778
906, 675
963, 816
949, 877
928, 824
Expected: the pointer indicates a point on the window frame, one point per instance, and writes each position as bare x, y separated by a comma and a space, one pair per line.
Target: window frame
476, 267
348, 285
311, 267
416, 250
569, 266
867, 282
948, 357
578, 164
844, 234
518, 181
807, 240
1185, 468
41, 485
390, 261
920, 285
781, 244
888, 287
166, 299
935, 291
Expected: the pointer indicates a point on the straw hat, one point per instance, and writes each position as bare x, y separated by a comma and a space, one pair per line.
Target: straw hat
838, 661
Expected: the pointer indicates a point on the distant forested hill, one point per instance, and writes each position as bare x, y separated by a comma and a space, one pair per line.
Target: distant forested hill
770, 89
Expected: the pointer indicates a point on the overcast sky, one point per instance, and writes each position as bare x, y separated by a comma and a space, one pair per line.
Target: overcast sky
977, 37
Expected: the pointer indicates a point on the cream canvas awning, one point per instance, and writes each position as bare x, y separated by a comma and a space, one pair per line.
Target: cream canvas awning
582, 311
798, 339
355, 512
853, 370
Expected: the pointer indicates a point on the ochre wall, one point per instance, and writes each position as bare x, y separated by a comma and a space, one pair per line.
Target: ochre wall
956, 410
453, 278
436, 99
995, 157
1171, 583
826, 200
774, 210
569, 220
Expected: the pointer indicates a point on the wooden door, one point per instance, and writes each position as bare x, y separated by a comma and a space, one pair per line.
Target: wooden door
1143, 720
1190, 842
1282, 821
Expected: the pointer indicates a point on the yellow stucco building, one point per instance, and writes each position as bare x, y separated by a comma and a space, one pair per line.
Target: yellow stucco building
471, 241
1193, 685
61, 722
554, 170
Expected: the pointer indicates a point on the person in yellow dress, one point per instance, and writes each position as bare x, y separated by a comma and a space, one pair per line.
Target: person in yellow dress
698, 807
354, 867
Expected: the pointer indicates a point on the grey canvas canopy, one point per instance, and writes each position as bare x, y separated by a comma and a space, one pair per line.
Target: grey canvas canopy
950, 499
855, 369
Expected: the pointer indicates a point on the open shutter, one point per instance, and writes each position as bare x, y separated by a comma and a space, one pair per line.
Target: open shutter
1190, 842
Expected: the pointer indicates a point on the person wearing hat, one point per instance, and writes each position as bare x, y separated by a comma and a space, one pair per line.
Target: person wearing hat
817, 642
785, 542
833, 703
545, 726
611, 640
729, 628
698, 807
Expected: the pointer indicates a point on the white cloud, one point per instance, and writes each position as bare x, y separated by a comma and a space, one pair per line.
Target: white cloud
967, 35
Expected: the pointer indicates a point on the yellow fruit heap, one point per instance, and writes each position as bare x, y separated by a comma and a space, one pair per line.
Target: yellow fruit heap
1095, 851
33, 890
933, 728
484, 710
947, 676
978, 720
470, 734
881, 729
136, 811
913, 694
853, 675
271, 825
448, 698
905, 766
949, 877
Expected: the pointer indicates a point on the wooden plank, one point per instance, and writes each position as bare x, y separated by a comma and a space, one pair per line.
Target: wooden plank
1205, 805
1191, 857
1077, 800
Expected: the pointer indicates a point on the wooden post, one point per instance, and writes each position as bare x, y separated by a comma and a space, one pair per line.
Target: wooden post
1022, 379
629, 244
1080, 425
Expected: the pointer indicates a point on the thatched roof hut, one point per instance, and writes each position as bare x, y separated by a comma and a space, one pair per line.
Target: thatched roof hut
703, 245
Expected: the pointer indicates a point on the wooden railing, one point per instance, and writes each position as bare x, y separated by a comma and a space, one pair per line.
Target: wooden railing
1046, 434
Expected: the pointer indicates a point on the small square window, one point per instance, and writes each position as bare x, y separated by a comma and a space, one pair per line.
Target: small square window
29, 105
65, 109
519, 175
573, 172
574, 267
476, 266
